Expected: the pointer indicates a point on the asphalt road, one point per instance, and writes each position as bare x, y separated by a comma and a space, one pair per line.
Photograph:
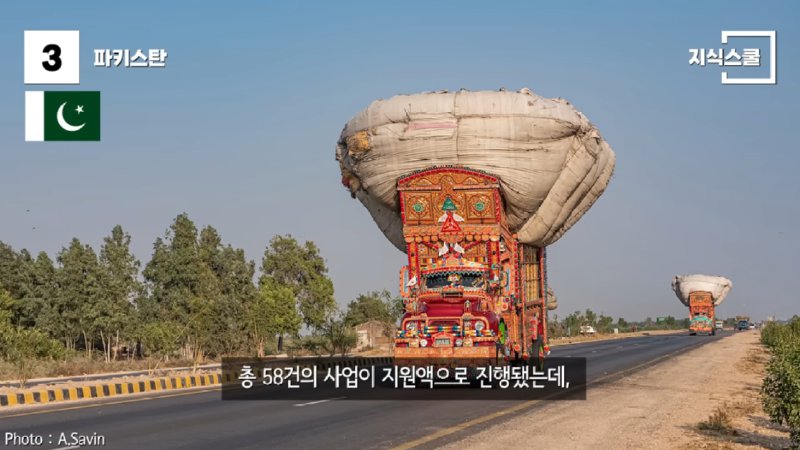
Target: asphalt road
200, 420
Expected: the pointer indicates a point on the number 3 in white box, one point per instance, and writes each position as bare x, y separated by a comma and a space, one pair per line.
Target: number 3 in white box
52, 57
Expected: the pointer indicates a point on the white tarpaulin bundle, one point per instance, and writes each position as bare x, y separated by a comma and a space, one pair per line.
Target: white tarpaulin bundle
683, 285
552, 300
551, 161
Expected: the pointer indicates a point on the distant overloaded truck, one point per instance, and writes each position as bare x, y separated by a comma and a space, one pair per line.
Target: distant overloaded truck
702, 294
742, 323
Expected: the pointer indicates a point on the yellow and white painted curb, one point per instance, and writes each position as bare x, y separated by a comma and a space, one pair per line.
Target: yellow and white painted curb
110, 388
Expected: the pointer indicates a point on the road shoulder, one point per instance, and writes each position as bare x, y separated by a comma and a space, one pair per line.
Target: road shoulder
659, 407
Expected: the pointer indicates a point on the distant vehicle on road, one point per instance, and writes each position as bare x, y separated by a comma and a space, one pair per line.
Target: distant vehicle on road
718, 325
752, 326
743, 325
702, 294
588, 329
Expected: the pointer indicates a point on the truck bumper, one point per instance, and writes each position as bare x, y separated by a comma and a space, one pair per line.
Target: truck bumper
451, 356
701, 331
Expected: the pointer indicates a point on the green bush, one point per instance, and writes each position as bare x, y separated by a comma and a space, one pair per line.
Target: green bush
339, 338
774, 335
313, 344
24, 347
781, 388
160, 339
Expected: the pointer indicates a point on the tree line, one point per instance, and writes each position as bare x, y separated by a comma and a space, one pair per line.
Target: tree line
571, 324
196, 298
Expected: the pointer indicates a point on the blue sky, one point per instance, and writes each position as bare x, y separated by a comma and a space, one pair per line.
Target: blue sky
239, 132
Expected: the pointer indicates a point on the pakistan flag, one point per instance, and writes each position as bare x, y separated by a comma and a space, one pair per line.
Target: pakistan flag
62, 116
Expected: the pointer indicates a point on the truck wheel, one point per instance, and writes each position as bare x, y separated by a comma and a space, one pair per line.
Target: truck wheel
536, 359
516, 360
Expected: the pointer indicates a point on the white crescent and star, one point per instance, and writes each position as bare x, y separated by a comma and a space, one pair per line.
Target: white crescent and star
63, 123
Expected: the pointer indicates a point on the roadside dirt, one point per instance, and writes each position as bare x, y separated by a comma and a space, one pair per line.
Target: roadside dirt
554, 342
80, 365
661, 407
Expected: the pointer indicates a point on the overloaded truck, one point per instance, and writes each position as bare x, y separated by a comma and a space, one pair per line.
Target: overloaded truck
702, 294
473, 186
742, 323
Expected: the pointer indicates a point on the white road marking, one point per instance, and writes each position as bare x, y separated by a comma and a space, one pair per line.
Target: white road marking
318, 401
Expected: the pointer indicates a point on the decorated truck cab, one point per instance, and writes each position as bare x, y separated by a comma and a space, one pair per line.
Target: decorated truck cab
471, 289
701, 313
473, 186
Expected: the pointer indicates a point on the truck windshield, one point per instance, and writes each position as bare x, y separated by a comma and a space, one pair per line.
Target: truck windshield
454, 279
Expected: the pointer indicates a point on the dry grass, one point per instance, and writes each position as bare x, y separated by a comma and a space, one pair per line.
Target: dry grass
84, 366
555, 341
754, 361
709, 445
743, 407
719, 422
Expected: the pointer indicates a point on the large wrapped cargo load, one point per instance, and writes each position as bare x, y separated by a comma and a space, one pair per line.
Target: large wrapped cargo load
719, 287
551, 161
552, 300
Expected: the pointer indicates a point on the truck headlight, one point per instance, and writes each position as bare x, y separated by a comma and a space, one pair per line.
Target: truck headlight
423, 342
459, 342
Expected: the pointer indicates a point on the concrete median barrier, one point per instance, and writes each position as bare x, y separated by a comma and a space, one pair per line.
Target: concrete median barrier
40, 395
108, 388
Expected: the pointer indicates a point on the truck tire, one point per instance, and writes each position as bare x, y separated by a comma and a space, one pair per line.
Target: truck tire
536, 358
